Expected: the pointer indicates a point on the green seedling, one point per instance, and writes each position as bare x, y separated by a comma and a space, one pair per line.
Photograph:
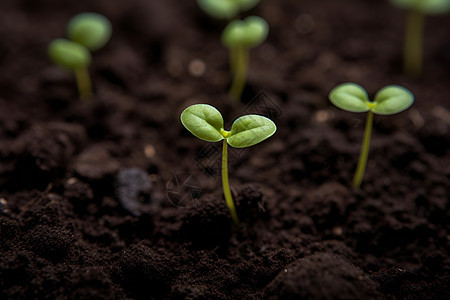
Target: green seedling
87, 32
75, 57
226, 9
239, 36
389, 100
205, 122
414, 30
91, 30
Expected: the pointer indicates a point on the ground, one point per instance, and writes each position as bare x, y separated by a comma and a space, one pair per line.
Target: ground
112, 198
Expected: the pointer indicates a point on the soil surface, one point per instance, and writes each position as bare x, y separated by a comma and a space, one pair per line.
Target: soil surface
111, 198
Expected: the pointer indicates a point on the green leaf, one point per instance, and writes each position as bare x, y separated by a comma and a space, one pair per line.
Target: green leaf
234, 34
204, 121
226, 9
249, 130
246, 4
91, 30
424, 6
219, 9
250, 32
68, 54
392, 99
258, 29
351, 97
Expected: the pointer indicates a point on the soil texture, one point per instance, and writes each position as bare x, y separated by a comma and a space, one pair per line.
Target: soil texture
111, 198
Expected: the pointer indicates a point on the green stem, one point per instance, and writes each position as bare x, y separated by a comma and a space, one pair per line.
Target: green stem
360, 169
413, 43
239, 66
83, 82
226, 185
232, 60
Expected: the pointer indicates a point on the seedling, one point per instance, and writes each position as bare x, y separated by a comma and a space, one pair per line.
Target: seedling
205, 122
226, 9
91, 30
88, 32
239, 36
389, 100
75, 57
414, 30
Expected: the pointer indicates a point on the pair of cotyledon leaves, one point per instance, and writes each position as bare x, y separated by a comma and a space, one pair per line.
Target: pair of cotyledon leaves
249, 32
226, 9
87, 32
389, 100
205, 122
424, 6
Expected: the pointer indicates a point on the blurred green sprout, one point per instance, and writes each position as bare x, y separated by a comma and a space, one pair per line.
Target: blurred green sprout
352, 97
226, 9
89, 29
413, 45
87, 32
206, 122
239, 36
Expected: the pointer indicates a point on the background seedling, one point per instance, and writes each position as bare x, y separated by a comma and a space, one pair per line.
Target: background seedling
239, 36
414, 30
75, 57
226, 9
205, 122
389, 100
87, 31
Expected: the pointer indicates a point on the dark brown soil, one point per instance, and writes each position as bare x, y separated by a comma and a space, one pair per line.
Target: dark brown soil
113, 199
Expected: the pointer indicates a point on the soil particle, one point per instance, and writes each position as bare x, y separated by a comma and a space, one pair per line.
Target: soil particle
207, 224
51, 145
70, 168
251, 205
328, 202
143, 272
95, 163
78, 193
51, 243
322, 276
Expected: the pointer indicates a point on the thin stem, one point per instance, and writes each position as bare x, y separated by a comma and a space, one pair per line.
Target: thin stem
83, 82
414, 43
360, 169
226, 185
232, 60
240, 60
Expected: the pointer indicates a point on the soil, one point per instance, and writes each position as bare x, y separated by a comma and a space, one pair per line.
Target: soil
111, 198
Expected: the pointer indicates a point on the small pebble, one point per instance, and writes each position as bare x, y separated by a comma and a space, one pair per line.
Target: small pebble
134, 190
197, 67
323, 116
149, 151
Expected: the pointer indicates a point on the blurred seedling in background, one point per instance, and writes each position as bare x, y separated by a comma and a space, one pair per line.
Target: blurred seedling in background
205, 122
414, 31
389, 100
239, 36
87, 32
226, 9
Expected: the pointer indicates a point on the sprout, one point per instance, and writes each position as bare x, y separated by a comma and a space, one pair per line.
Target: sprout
205, 122
389, 100
87, 31
414, 30
90, 29
239, 36
226, 9
75, 57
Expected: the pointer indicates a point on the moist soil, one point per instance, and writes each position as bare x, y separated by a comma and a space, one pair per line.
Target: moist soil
111, 198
